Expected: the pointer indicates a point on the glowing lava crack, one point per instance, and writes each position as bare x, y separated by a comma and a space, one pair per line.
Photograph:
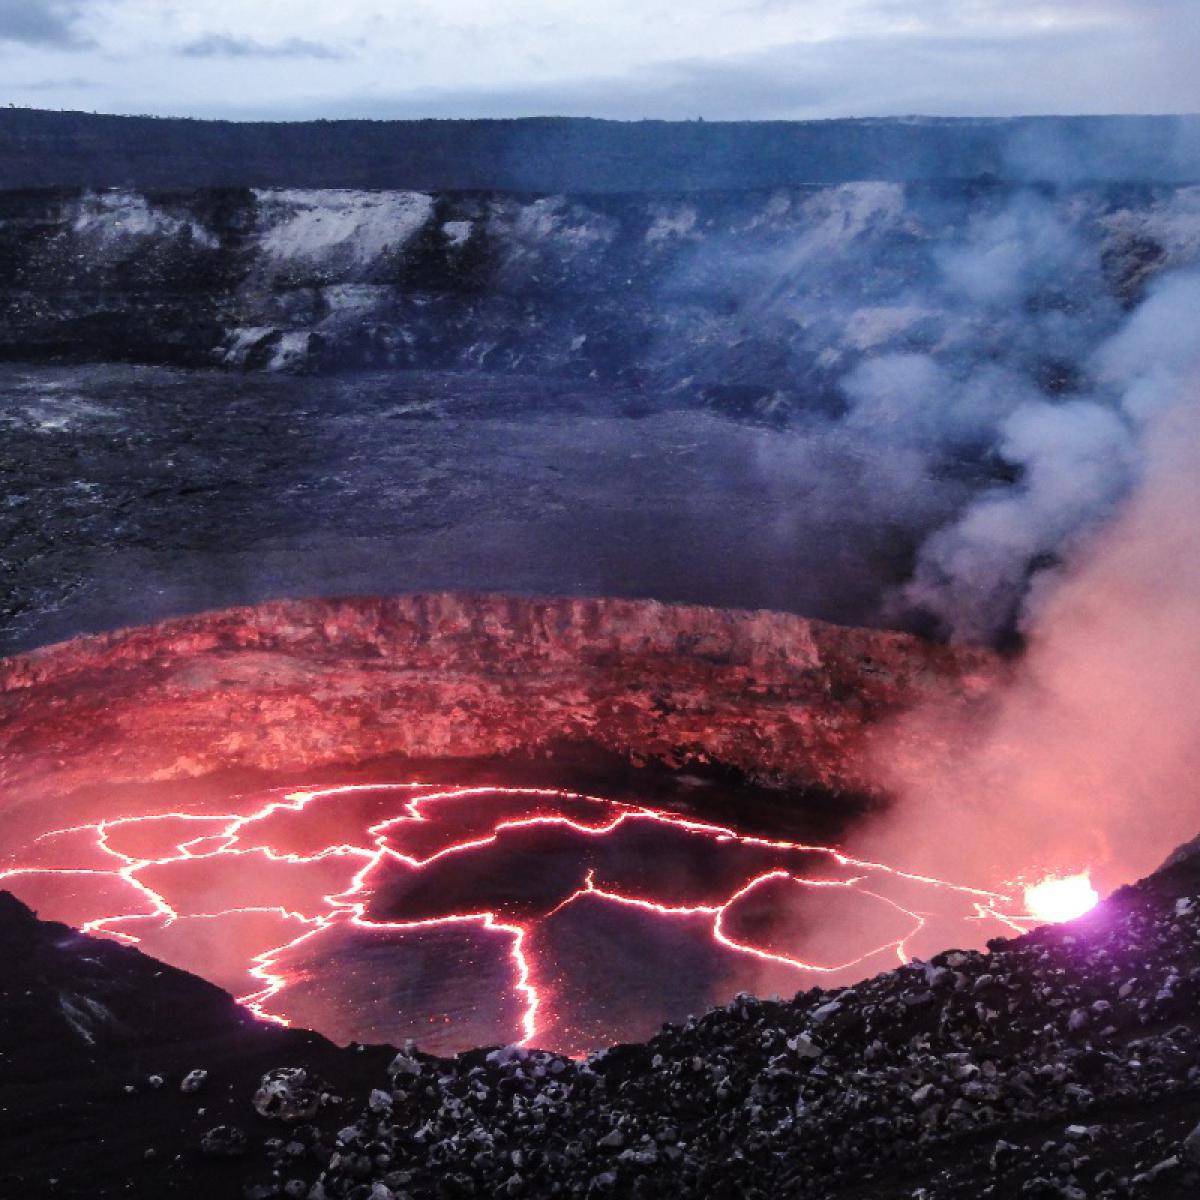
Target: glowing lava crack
469, 916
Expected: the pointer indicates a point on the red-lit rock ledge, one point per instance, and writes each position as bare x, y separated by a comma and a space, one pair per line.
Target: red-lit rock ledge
297, 685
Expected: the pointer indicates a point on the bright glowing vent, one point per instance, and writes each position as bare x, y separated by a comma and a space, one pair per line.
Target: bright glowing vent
1061, 899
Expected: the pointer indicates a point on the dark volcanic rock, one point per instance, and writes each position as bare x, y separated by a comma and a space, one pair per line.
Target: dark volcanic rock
756, 302
96, 1043
92, 996
549, 154
218, 489
968, 1076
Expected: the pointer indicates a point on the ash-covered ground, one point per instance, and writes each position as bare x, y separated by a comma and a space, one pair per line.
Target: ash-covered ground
1064, 1065
134, 493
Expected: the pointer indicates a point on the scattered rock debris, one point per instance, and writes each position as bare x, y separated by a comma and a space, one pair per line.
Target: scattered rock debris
960, 1078
225, 1141
288, 1094
193, 1081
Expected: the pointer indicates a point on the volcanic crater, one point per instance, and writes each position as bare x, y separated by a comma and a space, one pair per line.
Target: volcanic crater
474, 820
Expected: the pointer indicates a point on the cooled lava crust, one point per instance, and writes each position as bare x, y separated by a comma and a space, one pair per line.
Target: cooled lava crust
294, 687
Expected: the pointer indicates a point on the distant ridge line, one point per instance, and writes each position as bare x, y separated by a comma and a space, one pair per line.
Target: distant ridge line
42, 149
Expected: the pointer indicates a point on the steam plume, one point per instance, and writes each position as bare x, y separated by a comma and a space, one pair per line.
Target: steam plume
986, 356
1090, 759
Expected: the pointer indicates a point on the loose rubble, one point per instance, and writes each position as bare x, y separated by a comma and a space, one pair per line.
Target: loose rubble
1000, 1074
225, 1141
288, 1094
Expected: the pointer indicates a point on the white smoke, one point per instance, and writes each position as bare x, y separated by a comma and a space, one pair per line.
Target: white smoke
1089, 759
1077, 460
970, 348
1033, 375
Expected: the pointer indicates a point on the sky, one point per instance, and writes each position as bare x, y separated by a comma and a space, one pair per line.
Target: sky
626, 59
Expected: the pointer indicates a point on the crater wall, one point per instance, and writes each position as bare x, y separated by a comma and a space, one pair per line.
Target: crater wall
300, 685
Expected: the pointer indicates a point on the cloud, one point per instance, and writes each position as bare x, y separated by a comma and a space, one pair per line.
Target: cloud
730, 59
1074, 67
51, 23
216, 45
74, 83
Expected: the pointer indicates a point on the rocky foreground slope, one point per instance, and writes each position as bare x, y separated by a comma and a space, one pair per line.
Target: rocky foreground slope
95, 1040
1065, 1063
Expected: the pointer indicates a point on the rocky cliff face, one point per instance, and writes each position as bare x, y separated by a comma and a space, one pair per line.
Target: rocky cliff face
296, 686
758, 300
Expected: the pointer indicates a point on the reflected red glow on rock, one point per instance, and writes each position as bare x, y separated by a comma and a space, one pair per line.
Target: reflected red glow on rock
468, 916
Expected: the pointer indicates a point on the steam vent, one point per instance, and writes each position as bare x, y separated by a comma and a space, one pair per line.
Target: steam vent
539, 801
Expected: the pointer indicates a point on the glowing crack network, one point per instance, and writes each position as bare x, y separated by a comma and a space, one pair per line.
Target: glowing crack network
465, 916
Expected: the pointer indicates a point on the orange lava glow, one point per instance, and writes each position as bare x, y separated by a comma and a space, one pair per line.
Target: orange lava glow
260, 898
1061, 898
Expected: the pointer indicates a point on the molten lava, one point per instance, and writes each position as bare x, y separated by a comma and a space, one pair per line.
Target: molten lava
466, 916
1061, 898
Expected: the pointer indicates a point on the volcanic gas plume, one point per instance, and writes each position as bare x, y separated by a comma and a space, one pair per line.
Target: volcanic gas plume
1085, 764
